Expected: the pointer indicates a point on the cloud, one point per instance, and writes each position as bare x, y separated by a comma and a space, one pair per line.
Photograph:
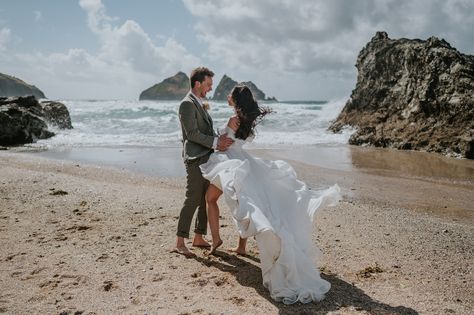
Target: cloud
130, 44
98, 20
309, 35
319, 39
38, 15
127, 62
303, 49
5, 35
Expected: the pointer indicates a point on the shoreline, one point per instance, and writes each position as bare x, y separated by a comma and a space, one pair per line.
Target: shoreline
96, 239
417, 180
380, 161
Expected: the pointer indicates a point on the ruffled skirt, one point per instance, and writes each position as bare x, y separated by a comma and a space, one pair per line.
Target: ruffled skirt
267, 201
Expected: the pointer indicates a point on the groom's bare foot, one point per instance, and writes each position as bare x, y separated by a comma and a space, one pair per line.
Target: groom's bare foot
202, 245
199, 241
183, 250
215, 246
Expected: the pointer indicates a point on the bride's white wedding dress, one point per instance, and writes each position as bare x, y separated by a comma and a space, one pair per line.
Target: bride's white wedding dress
268, 201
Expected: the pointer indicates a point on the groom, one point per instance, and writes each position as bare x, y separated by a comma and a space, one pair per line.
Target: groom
199, 141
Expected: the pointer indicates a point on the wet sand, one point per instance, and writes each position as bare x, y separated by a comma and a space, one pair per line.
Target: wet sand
82, 238
420, 181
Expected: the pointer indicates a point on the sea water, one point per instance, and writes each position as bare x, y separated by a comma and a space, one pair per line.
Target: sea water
145, 136
106, 123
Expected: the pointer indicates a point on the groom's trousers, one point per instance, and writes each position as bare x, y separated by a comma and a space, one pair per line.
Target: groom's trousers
196, 187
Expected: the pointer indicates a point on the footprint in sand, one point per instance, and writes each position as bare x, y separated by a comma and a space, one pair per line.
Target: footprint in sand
71, 312
77, 212
236, 300
59, 192
109, 285
199, 282
60, 237
221, 281
33, 274
157, 277
78, 228
369, 271
12, 256
49, 284
102, 257
68, 281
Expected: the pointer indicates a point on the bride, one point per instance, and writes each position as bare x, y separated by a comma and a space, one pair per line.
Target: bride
267, 201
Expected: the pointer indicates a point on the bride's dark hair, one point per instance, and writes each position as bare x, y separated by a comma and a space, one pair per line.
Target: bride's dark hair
248, 111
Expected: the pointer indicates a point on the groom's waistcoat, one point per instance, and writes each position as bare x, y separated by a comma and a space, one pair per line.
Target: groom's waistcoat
196, 126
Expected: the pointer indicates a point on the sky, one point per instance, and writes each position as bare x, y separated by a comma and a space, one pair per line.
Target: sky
291, 49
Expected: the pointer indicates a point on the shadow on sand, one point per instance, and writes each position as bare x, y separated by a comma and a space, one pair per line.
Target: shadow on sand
341, 295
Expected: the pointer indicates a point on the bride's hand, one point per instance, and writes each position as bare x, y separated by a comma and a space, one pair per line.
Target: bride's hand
234, 123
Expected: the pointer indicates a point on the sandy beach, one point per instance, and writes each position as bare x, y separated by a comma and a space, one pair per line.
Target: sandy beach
79, 238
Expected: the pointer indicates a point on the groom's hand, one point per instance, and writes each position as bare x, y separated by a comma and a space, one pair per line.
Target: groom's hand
224, 142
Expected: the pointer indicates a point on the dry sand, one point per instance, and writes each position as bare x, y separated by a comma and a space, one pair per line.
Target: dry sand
82, 239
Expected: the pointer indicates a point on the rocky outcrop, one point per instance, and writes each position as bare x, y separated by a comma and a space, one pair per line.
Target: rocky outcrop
257, 93
25, 120
56, 114
226, 84
172, 88
11, 86
412, 94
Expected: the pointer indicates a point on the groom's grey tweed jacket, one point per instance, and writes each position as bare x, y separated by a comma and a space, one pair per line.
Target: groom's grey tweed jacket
197, 129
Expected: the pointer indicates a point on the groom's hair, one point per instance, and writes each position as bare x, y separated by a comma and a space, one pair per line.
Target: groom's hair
199, 74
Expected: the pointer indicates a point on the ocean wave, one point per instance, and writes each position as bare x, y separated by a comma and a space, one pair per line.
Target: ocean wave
156, 123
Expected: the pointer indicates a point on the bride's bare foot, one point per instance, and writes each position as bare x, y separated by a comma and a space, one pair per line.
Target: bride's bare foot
238, 251
215, 246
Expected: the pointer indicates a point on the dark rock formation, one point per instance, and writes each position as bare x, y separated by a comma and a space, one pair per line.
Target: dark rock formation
257, 93
56, 114
24, 120
412, 94
172, 88
21, 122
226, 85
11, 86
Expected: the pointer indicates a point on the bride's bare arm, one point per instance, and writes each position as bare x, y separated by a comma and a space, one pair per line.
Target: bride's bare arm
233, 123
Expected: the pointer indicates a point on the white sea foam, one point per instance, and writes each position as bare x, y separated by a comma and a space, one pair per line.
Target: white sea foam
156, 123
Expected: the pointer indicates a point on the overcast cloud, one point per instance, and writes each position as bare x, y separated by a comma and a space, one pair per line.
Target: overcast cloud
319, 40
128, 61
4, 37
302, 49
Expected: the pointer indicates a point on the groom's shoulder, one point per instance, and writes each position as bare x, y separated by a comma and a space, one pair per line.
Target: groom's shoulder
186, 103
186, 98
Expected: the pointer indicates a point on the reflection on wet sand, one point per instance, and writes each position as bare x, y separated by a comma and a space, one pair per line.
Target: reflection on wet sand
412, 164
415, 180
420, 181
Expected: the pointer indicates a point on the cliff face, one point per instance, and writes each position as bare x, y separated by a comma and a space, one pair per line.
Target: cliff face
412, 94
226, 84
11, 86
172, 88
